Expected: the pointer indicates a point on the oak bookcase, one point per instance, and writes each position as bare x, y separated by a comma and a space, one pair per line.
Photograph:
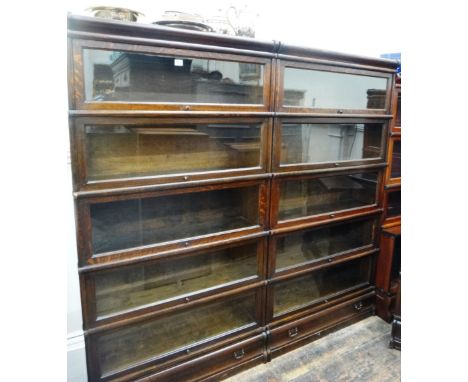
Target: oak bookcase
228, 193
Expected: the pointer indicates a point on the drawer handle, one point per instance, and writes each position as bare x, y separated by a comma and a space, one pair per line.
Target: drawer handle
293, 332
358, 305
239, 354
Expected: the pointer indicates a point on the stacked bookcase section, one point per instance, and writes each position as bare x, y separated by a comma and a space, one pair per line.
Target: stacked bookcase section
228, 193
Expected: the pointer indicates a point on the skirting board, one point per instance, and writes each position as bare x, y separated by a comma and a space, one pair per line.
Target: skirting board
76, 358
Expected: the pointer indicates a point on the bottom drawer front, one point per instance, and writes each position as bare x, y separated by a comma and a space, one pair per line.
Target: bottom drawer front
319, 321
214, 363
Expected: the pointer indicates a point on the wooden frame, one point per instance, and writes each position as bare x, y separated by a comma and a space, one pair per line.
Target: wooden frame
78, 141
390, 221
178, 355
78, 78
282, 64
330, 216
87, 280
215, 357
388, 175
317, 323
334, 258
322, 302
385, 295
396, 95
277, 144
84, 226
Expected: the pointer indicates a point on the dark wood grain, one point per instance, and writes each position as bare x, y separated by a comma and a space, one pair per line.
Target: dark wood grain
142, 273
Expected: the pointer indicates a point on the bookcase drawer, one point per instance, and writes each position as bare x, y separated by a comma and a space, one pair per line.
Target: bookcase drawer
311, 327
217, 364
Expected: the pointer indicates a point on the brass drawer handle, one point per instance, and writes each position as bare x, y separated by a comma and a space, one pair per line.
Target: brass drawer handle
293, 332
239, 354
358, 305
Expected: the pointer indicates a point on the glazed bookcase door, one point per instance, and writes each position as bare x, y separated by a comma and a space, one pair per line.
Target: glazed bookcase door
316, 246
320, 285
149, 342
124, 291
324, 197
314, 88
394, 160
123, 226
321, 143
112, 75
397, 109
392, 207
121, 152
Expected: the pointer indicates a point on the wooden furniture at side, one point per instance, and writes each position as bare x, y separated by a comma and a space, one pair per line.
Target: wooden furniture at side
395, 341
388, 270
222, 218
389, 259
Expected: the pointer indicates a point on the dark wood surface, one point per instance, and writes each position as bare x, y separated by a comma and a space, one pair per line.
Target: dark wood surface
395, 341
387, 279
238, 346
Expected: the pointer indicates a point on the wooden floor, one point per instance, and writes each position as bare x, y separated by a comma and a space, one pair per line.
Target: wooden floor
358, 353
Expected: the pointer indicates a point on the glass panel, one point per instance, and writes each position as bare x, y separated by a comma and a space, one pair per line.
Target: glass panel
396, 260
138, 222
139, 285
332, 142
394, 204
328, 90
130, 151
396, 159
125, 347
137, 77
304, 290
300, 198
306, 246
398, 112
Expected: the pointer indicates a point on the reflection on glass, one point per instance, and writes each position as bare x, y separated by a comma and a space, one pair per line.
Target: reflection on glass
329, 90
300, 198
293, 294
394, 204
138, 222
138, 77
130, 151
307, 246
333, 142
396, 159
136, 286
125, 347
